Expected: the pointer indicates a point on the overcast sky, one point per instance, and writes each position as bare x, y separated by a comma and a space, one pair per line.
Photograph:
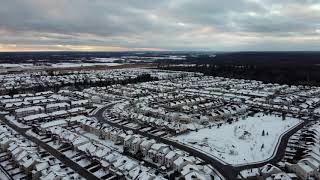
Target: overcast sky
119, 25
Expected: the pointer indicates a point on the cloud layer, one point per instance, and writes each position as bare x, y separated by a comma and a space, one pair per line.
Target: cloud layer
105, 25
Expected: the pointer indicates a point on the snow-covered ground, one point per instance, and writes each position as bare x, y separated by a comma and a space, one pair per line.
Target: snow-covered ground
62, 65
58, 65
4, 112
109, 60
245, 141
3, 175
22, 65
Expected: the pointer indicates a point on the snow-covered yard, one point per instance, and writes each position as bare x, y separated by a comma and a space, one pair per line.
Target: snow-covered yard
245, 141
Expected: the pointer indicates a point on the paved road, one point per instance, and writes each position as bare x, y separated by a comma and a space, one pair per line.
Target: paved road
68, 162
228, 171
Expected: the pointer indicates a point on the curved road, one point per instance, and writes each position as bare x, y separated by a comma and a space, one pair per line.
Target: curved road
227, 171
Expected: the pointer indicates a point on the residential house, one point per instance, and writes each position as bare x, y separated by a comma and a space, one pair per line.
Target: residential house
146, 145
22, 112
57, 107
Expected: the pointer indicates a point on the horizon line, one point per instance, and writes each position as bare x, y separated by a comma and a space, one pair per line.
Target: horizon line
139, 51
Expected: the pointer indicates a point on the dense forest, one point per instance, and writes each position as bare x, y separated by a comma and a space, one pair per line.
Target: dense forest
293, 68
275, 67
65, 56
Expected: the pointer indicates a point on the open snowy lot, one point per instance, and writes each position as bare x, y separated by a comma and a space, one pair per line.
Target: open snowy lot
245, 141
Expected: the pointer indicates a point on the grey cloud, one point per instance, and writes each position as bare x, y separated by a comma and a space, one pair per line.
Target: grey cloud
167, 24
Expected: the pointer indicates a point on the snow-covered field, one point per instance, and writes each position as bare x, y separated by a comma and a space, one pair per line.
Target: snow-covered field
245, 141
109, 60
21, 65
60, 65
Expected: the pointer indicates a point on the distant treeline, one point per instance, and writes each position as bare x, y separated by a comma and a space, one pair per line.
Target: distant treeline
277, 58
52, 57
65, 56
293, 68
